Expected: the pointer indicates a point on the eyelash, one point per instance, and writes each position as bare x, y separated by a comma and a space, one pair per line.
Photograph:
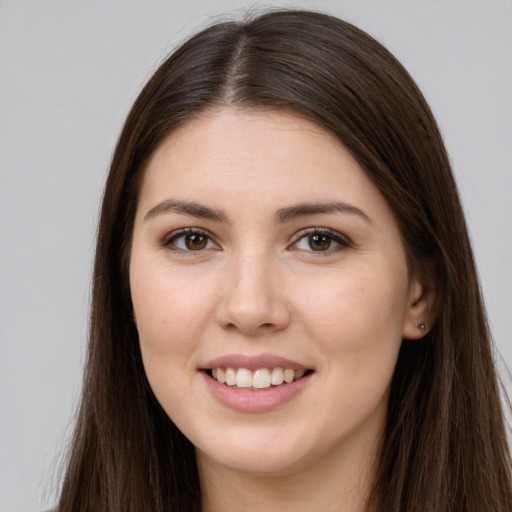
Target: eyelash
170, 240
333, 236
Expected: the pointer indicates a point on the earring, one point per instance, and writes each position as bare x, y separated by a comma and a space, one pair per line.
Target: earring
422, 327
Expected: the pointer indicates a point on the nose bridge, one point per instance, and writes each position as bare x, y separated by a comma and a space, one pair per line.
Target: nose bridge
253, 301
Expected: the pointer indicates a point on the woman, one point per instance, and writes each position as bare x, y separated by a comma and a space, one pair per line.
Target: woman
286, 312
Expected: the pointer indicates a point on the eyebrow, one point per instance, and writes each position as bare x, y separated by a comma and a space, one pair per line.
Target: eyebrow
301, 210
282, 216
186, 208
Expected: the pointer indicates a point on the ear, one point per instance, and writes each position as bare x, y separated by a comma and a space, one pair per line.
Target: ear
422, 308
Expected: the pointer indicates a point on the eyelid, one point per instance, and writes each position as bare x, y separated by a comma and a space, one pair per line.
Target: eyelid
341, 239
169, 238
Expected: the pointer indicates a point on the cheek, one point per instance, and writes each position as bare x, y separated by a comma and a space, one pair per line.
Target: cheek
359, 314
356, 323
171, 311
172, 315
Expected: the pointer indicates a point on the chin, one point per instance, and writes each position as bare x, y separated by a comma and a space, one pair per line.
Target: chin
273, 455
256, 462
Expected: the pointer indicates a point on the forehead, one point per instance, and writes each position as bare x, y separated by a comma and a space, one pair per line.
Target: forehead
248, 152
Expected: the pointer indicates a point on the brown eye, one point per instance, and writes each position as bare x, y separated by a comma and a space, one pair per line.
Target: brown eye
319, 242
196, 242
189, 240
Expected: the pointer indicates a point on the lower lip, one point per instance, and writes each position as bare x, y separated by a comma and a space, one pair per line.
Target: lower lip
256, 401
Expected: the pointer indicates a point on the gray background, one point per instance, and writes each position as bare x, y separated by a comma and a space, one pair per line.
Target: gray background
69, 72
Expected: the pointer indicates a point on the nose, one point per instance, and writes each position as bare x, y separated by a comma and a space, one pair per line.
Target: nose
253, 299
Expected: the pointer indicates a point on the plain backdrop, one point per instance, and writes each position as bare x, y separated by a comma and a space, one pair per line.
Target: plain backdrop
69, 72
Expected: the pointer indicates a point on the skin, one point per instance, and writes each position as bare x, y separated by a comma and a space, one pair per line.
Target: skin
258, 287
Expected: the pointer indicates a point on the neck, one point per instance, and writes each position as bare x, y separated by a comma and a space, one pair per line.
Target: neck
340, 482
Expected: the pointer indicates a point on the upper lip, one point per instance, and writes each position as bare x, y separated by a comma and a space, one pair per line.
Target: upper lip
254, 362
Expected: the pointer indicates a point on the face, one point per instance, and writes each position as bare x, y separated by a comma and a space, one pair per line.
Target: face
271, 292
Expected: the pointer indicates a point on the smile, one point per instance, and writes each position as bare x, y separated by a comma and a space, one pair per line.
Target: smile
260, 379
256, 383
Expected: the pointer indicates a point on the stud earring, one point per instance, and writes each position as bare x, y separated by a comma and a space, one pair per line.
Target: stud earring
422, 327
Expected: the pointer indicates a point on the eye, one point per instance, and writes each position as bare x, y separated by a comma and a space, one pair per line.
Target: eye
320, 240
189, 240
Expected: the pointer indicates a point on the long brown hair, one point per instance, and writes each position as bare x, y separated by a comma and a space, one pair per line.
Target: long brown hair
445, 446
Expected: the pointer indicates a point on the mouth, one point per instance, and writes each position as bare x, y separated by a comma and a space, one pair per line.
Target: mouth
261, 379
258, 383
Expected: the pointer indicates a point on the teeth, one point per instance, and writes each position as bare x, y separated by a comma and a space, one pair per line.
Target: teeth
230, 377
263, 378
277, 376
289, 375
299, 374
244, 378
